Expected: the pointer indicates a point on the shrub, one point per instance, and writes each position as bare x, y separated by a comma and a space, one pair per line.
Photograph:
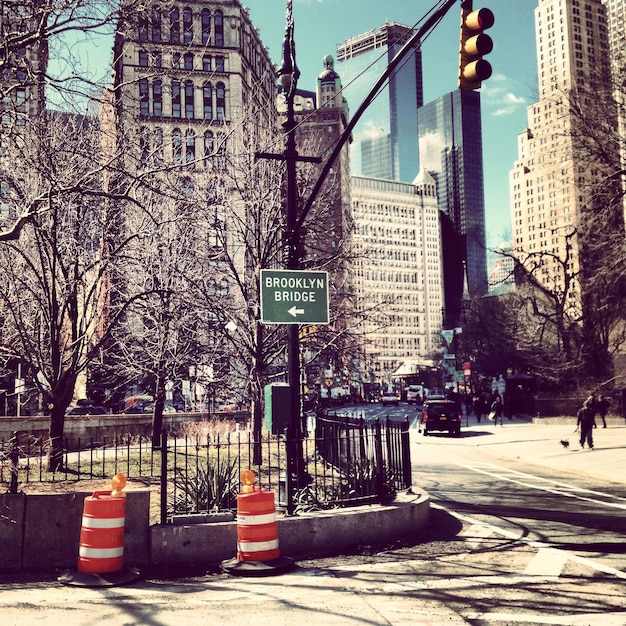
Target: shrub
213, 487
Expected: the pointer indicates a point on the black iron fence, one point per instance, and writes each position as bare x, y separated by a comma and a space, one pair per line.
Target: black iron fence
197, 469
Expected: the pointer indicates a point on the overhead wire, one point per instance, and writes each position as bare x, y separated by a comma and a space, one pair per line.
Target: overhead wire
305, 118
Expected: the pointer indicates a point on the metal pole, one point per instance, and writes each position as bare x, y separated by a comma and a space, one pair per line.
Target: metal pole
290, 71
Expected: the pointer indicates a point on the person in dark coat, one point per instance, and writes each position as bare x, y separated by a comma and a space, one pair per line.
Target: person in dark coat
603, 408
586, 422
496, 408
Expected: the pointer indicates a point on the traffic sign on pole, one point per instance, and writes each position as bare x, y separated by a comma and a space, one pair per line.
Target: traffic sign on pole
294, 297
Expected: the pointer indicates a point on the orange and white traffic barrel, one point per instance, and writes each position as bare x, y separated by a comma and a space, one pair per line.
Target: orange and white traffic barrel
101, 548
257, 528
257, 533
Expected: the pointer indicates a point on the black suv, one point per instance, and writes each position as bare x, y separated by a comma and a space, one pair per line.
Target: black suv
441, 415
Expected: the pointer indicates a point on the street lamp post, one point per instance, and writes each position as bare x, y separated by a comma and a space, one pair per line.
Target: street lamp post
288, 75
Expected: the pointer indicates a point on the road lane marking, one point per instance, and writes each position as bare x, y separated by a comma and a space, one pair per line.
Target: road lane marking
545, 484
540, 545
579, 619
547, 562
475, 535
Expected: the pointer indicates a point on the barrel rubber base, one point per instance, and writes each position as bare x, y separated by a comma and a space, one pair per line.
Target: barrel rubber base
258, 568
125, 576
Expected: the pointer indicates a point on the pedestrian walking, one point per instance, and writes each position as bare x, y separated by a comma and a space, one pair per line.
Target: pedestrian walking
586, 422
479, 409
603, 408
496, 409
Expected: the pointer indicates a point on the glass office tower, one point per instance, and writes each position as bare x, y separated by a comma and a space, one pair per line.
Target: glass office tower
385, 139
450, 149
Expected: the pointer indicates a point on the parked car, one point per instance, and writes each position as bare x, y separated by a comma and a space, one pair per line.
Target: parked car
390, 397
441, 415
413, 394
436, 394
87, 410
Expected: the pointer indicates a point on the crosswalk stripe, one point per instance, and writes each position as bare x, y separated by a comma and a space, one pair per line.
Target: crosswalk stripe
475, 534
546, 562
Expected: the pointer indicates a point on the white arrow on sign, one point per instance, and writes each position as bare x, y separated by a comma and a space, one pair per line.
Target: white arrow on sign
293, 311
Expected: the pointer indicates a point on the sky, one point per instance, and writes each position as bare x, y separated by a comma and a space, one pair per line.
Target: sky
320, 25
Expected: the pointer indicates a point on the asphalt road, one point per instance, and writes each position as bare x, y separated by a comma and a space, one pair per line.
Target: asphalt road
513, 542
534, 545
510, 544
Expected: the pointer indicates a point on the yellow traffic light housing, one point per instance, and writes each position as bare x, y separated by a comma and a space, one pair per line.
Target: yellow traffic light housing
473, 69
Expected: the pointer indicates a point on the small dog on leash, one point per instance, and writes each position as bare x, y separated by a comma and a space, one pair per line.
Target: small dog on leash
565, 443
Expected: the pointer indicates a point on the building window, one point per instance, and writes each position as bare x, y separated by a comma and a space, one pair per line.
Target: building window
177, 146
176, 110
188, 60
190, 150
5, 197
221, 151
20, 96
187, 25
175, 26
220, 102
207, 102
206, 26
157, 98
142, 28
158, 147
219, 29
189, 109
206, 63
219, 64
144, 101
156, 24
209, 146
144, 146
157, 59
143, 58
176, 61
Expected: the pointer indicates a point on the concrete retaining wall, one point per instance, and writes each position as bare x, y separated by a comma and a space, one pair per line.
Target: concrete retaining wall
43, 531
99, 427
301, 536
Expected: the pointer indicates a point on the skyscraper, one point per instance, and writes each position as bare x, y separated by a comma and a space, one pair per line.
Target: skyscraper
385, 140
553, 179
397, 271
450, 148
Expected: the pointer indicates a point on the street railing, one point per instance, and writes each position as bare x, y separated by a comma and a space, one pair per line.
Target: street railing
347, 461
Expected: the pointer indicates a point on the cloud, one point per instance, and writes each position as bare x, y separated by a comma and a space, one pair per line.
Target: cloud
499, 97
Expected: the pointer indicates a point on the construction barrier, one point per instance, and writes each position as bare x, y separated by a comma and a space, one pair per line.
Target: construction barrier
257, 533
257, 528
101, 548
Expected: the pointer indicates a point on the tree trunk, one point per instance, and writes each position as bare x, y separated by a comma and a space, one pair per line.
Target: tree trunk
157, 418
57, 427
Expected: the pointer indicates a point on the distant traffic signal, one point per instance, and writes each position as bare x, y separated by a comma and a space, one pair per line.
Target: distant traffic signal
473, 69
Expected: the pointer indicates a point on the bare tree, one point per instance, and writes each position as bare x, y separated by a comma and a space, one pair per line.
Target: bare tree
55, 302
41, 62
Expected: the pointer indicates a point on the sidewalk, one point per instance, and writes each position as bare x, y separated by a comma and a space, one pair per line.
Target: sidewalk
382, 592
540, 444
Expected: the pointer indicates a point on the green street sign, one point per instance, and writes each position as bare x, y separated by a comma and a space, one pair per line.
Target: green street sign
294, 297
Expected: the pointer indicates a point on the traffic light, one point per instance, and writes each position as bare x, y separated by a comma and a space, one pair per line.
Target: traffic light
473, 69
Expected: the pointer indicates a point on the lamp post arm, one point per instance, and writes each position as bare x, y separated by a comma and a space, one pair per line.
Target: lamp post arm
430, 22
